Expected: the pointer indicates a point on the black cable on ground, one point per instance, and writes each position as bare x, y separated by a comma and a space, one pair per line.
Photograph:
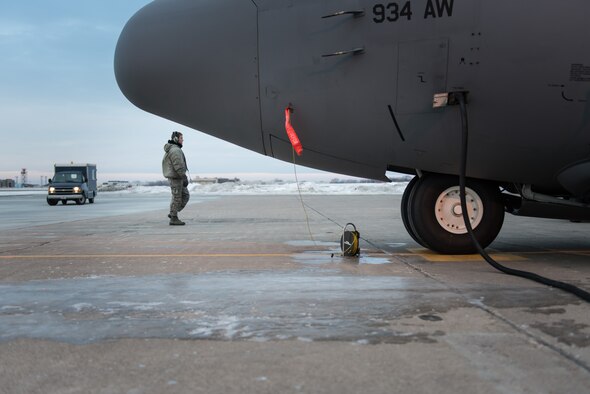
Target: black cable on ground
584, 295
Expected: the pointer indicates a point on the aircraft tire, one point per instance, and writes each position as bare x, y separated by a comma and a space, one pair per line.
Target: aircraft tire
445, 232
404, 210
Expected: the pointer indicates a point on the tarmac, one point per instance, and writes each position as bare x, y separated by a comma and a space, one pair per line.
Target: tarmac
253, 296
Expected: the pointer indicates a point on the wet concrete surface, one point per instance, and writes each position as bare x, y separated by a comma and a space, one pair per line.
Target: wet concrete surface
242, 305
247, 298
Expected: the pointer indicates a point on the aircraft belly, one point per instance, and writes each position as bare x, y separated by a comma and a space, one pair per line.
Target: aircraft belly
529, 107
528, 94
373, 107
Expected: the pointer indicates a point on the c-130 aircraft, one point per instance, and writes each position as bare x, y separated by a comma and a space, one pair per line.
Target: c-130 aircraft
371, 87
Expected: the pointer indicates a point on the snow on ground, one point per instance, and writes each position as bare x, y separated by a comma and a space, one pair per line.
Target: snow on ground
22, 192
252, 188
306, 187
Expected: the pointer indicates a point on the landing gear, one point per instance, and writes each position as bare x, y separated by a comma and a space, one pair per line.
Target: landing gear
431, 212
404, 210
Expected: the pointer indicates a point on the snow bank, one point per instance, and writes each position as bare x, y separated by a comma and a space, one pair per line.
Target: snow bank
306, 187
253, 188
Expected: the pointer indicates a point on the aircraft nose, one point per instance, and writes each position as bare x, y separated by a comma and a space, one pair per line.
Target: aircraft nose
195, 62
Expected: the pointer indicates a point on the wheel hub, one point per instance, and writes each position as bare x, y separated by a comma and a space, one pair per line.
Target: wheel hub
448, 210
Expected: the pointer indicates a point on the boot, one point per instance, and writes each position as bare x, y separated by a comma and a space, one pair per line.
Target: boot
175, 221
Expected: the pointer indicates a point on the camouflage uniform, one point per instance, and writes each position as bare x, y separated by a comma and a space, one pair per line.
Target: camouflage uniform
174, 168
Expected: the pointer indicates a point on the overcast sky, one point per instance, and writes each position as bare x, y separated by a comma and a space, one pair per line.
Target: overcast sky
59, 101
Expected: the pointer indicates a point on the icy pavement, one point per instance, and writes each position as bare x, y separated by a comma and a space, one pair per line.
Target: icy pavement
261, 306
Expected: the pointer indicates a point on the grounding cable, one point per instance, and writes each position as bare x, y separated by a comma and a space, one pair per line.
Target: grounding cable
301, 198
584, 295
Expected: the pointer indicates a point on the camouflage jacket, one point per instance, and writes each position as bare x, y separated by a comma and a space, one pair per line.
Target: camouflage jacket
173, 163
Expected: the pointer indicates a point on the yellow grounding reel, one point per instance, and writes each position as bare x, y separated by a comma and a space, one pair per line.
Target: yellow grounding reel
349, 242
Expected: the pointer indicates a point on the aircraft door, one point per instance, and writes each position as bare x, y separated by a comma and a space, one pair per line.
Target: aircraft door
422, 72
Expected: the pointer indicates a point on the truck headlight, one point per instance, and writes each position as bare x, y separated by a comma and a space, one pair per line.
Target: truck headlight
77, 189
51, 190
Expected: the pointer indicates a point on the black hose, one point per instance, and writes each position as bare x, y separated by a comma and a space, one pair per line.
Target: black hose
584, 295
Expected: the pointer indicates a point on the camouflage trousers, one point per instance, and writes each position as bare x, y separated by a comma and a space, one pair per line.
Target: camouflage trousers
180, 196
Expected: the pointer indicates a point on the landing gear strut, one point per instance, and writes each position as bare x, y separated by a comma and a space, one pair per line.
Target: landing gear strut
432, 215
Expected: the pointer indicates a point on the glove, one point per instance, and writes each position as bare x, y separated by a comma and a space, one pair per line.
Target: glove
185, 181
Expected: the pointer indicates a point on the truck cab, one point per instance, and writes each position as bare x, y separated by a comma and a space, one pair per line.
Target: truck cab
72, 182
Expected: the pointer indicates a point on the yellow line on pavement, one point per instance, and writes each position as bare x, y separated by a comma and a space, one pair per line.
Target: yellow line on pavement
441, 258
67, 256
419, 252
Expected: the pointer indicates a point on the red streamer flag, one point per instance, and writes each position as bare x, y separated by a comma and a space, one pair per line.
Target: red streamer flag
291, 133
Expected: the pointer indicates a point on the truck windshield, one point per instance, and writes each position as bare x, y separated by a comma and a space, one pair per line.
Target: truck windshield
68, 177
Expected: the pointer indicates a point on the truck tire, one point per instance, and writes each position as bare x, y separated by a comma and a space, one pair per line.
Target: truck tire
52, 202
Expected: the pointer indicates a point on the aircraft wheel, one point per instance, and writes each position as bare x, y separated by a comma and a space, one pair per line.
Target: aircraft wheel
434, 213
405, 210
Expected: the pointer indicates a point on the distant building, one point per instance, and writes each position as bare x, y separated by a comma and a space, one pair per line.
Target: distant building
115, 185
225, 180
200, 180
203, 181
7, 183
